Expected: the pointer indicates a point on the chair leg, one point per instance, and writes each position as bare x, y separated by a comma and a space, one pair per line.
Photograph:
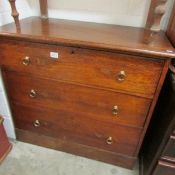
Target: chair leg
153, 25
15, 13
43, 9
156, 12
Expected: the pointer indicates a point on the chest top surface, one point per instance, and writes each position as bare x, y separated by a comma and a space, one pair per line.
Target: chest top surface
91, 35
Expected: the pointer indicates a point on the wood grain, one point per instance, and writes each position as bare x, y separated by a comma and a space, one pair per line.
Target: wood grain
90, 35
73, 96
79, 129
75, 148
83, 66
77, 101
160, 129
154, 102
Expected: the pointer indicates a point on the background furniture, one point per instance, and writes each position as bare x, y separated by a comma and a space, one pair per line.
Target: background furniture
84, 88
171, 27
158, 153
5, 145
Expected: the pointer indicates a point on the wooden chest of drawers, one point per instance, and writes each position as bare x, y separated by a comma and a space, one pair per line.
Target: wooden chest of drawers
96, 99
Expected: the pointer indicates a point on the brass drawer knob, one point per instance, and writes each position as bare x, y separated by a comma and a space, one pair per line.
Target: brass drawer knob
121, 76
26, 61
115, 110
36, 123
33, 93
109, 140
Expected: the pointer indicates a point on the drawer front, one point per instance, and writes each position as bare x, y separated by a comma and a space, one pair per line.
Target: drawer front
103, 105
107, 136
164, 168
129, 74
169, 150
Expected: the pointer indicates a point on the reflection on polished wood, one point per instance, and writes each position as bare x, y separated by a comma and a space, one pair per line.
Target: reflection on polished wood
91, 35
156, 12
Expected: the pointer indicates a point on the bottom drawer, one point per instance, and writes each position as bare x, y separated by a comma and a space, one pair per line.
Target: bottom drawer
164, 168
82, 130
76, 149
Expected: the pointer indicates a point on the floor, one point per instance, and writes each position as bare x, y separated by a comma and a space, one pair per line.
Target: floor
27, 159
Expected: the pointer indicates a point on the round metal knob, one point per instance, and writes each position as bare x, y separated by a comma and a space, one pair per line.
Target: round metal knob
109, 140
33, 93
115, 110
36, 123
26, 61
121, 76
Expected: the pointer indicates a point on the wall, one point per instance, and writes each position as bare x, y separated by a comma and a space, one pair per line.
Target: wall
122, 12
125, 12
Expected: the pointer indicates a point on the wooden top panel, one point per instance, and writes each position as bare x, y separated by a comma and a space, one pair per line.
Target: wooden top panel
91, 35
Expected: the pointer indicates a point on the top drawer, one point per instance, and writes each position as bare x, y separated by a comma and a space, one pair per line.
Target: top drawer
124, 73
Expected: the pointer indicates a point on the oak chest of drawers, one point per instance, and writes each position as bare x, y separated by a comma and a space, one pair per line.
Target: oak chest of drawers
84, 88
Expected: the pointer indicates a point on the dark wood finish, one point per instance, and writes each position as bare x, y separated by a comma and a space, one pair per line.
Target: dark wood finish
164, 168
90, 35
75, 148
87, 67
82, 130
171, 27
70, 101
76, 100
5, 145
160, 130
43, 9
169, 150
157, 153
154, 102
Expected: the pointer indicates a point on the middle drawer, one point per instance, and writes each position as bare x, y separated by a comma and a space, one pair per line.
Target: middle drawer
81, 101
